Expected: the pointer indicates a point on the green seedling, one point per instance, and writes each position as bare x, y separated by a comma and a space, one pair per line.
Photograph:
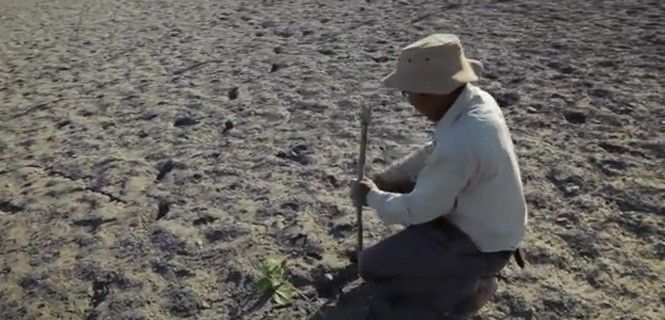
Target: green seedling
273, 282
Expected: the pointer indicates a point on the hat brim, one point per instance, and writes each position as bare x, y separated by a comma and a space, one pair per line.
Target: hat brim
412, 83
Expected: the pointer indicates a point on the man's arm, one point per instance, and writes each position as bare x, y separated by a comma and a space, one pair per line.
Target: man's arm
400, 176
434, 194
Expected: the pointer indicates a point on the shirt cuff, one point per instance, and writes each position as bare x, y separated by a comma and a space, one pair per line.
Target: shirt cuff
377, 199
374, 198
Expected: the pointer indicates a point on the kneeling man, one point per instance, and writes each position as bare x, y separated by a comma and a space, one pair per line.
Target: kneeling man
460, 196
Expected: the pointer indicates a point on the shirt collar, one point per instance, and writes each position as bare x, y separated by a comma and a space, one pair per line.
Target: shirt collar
462, 102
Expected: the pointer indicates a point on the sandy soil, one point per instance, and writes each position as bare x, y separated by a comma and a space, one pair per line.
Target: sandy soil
153, 153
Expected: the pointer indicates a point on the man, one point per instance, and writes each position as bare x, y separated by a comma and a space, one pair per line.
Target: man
460, 197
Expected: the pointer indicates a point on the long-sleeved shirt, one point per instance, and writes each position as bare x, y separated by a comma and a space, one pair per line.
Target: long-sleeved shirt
470, 175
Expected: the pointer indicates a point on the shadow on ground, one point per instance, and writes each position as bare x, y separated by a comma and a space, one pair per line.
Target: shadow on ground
352, 299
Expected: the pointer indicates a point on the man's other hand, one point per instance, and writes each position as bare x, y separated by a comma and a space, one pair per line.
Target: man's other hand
384, 184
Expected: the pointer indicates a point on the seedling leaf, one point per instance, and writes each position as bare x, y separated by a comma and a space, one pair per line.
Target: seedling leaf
273, 282
283, 295
263, 286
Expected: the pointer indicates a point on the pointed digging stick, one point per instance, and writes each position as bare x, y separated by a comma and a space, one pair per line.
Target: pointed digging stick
365, 117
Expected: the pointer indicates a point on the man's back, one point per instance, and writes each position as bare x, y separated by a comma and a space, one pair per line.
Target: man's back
491, 207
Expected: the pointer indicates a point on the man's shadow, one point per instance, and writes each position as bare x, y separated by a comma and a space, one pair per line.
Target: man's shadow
353, 299
347, 295
351, 305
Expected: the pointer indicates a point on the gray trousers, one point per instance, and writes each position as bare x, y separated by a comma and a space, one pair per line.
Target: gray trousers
433, 263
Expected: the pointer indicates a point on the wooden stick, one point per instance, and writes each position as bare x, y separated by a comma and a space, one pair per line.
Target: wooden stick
364, 121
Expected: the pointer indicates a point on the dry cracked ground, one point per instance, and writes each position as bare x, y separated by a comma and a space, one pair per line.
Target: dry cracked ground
153, 153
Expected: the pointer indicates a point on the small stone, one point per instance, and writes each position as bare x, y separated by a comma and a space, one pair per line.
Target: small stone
571, 189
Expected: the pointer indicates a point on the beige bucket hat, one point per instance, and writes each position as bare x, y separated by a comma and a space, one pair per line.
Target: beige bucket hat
435, 64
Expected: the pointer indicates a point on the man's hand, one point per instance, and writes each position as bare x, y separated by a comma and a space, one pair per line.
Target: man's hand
359, 190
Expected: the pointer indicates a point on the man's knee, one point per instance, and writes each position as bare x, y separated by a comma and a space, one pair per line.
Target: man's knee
484, 291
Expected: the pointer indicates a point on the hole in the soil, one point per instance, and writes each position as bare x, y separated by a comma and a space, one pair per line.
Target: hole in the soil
575, 117
162, 209
100, 290
8, 207
164, 169
185, 122
233, 93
